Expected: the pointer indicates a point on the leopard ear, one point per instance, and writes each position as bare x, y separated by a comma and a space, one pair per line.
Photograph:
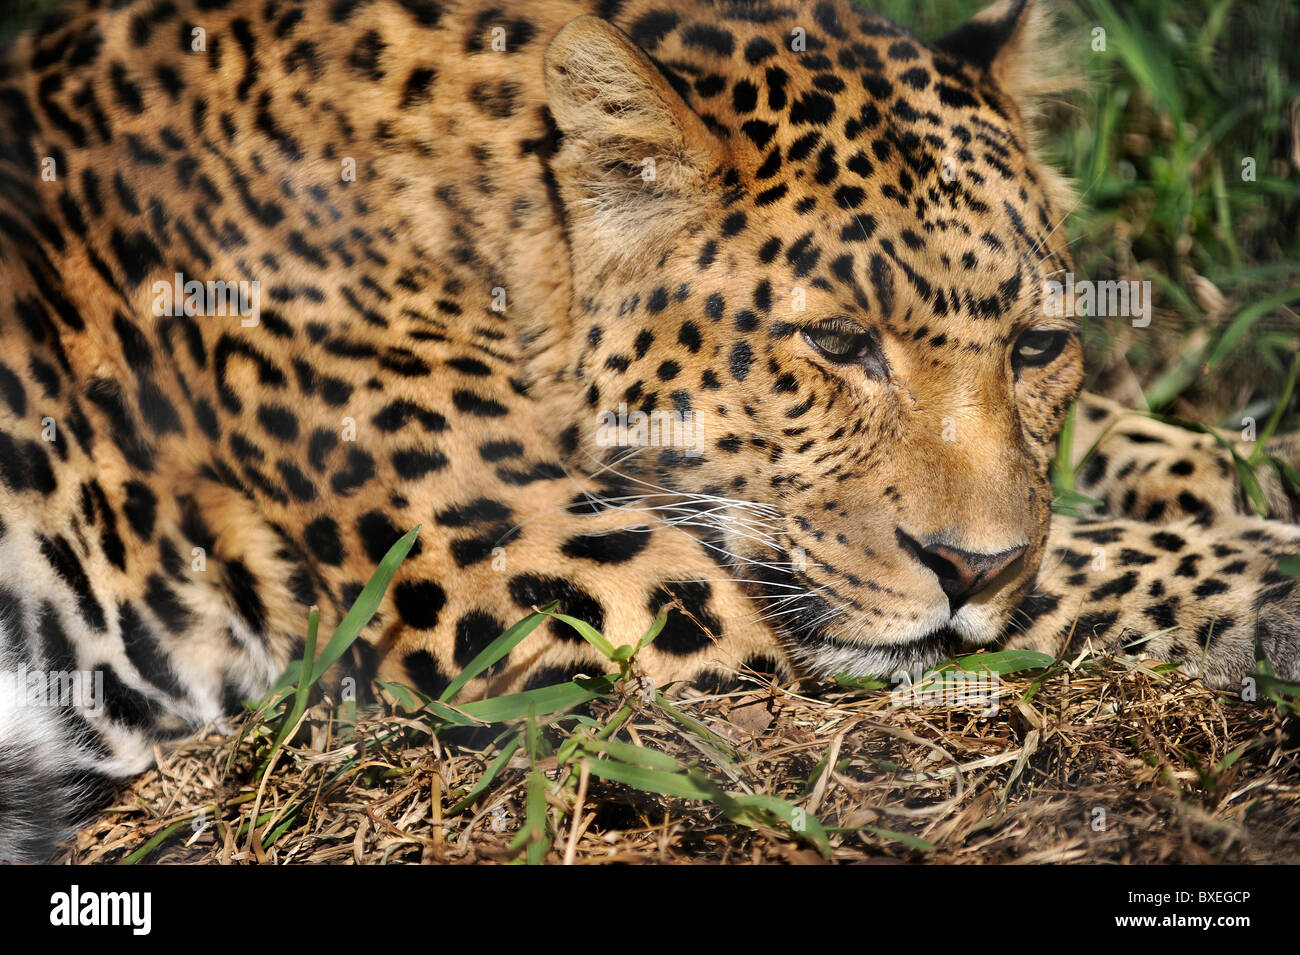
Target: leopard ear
1001, 40
635, 158
1013, 43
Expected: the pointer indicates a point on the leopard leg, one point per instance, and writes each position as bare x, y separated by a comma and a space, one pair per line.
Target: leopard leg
1145, 469
1198, 592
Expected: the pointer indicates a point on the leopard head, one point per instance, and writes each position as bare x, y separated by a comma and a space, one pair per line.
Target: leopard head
817, 248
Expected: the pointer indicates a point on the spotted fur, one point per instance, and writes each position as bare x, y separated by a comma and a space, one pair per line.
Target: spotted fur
477, 228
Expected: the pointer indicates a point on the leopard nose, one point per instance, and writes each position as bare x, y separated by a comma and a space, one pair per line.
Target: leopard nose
962, 573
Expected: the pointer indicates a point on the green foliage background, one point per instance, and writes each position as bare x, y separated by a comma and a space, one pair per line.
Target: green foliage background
1154, 141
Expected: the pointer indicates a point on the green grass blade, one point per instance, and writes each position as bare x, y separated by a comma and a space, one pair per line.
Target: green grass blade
1279, 410
799, 820
495, 650
1004, 662
290, 816
154, 843
588, 633
1247, 317
699, 729
1071, 503
534, 836
632, 755
409, 698
1062, 468
911, 842
364, 607
648, 780
850, 682
305, 683
494, 770
547, 699
647, 638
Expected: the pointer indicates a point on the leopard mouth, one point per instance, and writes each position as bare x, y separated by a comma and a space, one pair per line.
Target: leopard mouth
826, 633
806, 626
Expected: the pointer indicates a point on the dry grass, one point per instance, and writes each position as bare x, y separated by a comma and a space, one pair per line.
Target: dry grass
1182, 775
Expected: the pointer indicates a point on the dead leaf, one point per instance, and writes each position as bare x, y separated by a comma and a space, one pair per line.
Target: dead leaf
753, 718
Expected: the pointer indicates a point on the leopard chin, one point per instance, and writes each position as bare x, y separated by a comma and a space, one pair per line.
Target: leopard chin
826, 657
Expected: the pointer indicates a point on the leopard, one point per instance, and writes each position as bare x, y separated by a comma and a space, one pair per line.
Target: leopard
281, 280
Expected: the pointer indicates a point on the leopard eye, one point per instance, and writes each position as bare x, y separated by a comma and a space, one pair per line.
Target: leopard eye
844, 342
838, 340
1039, 347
